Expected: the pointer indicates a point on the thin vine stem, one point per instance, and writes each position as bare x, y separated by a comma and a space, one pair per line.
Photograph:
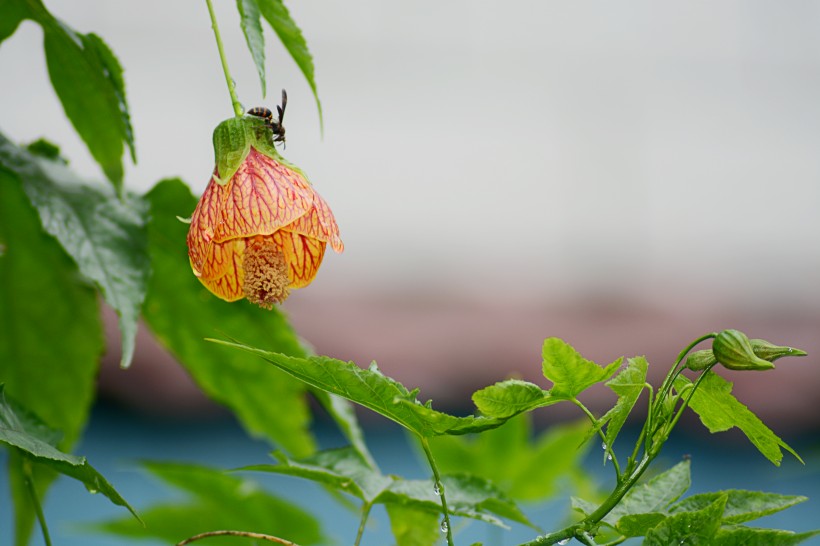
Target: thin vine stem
362, 522
237, 106
440, 488
28, 478
601, 434
245, 534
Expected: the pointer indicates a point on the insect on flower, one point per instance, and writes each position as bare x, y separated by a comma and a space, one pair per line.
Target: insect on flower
276, 127
259, 229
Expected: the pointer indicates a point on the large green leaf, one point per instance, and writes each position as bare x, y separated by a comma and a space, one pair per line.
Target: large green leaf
569, 371
513, 461
217, 501
720, 411
22, 430
249, 20
52, 336
88, 80
105, 235
628, 385
277, 15
696, 528
741, 506
181, 313
749, 536
413, 527
371, 389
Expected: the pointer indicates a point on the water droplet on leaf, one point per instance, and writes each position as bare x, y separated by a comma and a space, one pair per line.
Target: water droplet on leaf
562, 542
437, 490
603, 446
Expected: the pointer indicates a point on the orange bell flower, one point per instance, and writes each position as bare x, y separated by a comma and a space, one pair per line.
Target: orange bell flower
260, 229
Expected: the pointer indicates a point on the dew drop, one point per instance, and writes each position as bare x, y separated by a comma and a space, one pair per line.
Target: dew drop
609, 456
562, 542
444, 527
92, 491
437, 490
603, 446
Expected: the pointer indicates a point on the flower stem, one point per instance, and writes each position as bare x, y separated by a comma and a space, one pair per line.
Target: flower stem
237, 106
440, 488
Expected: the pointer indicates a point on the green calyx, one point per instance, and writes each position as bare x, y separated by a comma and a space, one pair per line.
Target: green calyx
700, 360
734, 350
233, 139
771, 352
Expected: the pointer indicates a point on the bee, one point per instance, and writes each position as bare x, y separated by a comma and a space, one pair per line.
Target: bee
275, 126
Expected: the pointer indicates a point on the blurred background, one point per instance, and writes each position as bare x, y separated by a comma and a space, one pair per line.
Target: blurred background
626, 176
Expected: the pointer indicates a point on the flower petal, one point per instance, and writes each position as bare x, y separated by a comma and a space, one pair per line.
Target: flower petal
203, 220
222, 271
262, 197
319, 223
303, 254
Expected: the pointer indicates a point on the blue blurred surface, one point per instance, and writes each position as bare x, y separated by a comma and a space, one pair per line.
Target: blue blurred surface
115, 441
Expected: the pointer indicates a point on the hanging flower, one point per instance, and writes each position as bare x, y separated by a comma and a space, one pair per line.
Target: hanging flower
260, 229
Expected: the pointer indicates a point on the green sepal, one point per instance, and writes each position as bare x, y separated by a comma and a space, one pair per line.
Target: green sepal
700, 360
233, 139
734, 350
769, 351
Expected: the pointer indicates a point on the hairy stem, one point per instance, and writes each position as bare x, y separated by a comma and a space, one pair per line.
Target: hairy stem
237, 106
440, 488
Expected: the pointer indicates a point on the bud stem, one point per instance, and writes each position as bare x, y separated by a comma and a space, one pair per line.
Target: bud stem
237, 106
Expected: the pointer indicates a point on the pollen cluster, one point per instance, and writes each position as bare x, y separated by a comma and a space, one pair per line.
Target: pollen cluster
266, 274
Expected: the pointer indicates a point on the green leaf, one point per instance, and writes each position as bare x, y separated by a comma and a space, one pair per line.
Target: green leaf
628, 385
88, 80
49, 318
720, 411
105, 235
343, 469
249, 20
277, 15
692, 528
741, 506
637, 525
749, 536
181, 313
569, 371
413, 527
509, 458
511, 397
22, 430
14, 12
371, 389
654, 495
217, 501
467, 496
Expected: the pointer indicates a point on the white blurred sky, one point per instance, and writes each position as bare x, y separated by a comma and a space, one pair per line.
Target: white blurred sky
524, 150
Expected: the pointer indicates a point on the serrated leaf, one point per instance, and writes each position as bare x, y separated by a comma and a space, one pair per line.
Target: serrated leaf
637, 525
511, 397
181, 313
741, 506
628, 385
103, 234
48, 317
467, 496
750, 536
218, 501
719, 411
277, 15
25, 432
343, 469
569, 371
371, 389
514, 462
249, 20
692, 528
653, 496
412, 527
88, 81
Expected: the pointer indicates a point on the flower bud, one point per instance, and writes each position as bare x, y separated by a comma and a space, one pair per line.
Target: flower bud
734, 350
700, 360
771, 352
